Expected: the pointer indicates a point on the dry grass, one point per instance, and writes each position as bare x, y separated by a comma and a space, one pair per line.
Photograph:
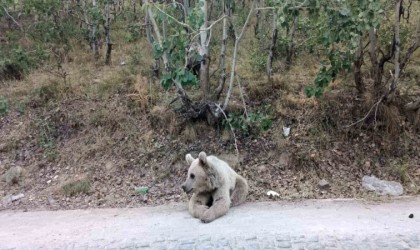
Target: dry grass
76, 187
141, 93
162, 118
13, 175
189, 134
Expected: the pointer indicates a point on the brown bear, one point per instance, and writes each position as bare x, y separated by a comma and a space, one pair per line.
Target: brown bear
215, 186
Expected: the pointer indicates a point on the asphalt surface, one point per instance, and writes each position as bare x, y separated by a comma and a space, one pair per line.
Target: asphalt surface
311, 224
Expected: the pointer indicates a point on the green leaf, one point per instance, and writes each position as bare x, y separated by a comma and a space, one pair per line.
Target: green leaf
141, 190
344, 11
166, 81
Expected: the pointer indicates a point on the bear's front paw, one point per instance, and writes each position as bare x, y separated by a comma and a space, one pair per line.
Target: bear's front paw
207, 217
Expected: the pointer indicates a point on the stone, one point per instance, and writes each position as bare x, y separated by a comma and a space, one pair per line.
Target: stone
51, 201
382, 187
8, 199
17, 197
323, 184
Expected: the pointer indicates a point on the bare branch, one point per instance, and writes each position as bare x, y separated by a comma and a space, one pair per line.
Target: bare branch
171, 17
242, 96
414, 105
208, 28
11, 17
368, 113
235, 52
231, 128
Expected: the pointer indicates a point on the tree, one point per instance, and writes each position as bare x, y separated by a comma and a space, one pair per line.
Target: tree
194, 33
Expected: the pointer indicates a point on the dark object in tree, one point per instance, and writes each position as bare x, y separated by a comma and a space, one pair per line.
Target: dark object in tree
411, 216
194, 66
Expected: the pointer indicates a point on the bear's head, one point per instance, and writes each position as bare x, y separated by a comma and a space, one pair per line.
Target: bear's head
200, 177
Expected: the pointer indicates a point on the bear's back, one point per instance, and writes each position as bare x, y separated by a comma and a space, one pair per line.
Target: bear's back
223, 170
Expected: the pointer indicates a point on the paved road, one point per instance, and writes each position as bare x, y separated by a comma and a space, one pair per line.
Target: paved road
313, 224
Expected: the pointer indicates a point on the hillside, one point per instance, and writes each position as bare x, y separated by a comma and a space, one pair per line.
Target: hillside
77, 133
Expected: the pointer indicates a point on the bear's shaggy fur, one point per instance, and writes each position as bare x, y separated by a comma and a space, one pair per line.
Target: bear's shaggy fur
215, 186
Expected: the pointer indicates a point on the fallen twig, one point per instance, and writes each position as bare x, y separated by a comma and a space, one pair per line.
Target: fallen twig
368, 113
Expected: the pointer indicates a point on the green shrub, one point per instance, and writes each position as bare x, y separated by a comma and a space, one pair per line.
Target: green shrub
254, 123
4, 106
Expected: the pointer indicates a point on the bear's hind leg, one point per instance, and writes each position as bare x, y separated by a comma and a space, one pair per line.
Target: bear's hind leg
239, 192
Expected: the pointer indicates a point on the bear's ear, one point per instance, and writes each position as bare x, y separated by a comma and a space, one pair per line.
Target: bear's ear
203, 158
189, 159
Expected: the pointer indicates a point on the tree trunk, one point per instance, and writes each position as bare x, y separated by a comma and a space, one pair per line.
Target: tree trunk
377, 66
156, 66
134, 3
373, 48
394, 83
357, 68
227, 11
291, 49
93, 37
122, 6
186, 14
159, 39
413, 47
108, 35
148, 29
204, 43
180, 90
272, 47
257, 27
115, 9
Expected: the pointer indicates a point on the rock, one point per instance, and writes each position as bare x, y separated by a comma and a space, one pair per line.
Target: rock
323, 184
51, 201
381, 187
286, 131
8, 199
17, 197
273, 194
284, 159
13, 175
109, 166
261, 168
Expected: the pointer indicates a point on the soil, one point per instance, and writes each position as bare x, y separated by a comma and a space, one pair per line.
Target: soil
116, 149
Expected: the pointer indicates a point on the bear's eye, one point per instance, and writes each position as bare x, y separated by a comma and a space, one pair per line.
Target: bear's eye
192, 176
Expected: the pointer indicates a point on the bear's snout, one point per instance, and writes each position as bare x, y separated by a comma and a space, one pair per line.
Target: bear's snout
186, 190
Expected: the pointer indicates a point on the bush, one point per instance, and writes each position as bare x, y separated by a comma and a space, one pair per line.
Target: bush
134, 32
254, 123
15, 61
4, 106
